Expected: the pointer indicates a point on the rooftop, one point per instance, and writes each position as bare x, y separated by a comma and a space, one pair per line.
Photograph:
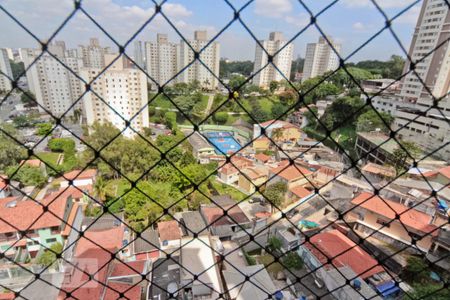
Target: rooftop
343, 252
300, 191
259, 287
379, 170
78, 174
214, 215
262, 157
148, 241
193, 223
29, 215
388, 208
387, 144
169, 230
291, 172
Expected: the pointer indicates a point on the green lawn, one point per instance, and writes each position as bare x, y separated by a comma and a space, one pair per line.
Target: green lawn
160, 101
50, 158
224, 189
117, 187
267, 261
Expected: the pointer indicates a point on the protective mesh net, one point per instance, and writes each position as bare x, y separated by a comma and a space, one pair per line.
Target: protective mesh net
138, 215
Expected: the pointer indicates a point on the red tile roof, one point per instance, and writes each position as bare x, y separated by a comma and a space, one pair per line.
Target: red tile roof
32, 162
78, 174
343, 252
2, 182
236, 162
262, 157
169, 230
300, 191
131, 268
388, 208
214, 215
379, 170
445, 171
291, 172
130, 292
28, 214
109, 239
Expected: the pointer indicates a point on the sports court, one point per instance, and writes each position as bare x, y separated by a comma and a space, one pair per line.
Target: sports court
223, 142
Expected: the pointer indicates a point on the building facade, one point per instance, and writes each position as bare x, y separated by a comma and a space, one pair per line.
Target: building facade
282, 59
139, 54
93, 55
5, 69
118, 96
204, 73
161, 60
55, 87
320, 58
432, 29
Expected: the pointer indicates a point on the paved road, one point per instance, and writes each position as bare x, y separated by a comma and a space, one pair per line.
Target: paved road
210, 103
8, 106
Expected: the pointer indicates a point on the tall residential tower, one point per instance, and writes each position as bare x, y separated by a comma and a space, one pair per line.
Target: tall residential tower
5, 68
282, 59
320, 58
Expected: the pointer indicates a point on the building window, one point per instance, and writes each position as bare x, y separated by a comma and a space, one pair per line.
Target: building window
51, 241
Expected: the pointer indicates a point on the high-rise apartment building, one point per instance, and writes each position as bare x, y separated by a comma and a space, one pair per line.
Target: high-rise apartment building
139, 54
93, 55
197, 71
5, 69
282, 59
120, 94
54, 86
415, 120
320, 58
432, 29
161, 58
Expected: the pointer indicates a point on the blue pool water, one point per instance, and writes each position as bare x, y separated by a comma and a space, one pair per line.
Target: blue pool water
223, 142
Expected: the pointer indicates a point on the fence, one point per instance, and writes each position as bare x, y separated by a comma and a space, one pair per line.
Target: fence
150, 209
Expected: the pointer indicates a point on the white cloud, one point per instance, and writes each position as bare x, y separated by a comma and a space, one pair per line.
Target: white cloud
359, 26
272, 8
381, 3
42, 17
299, 21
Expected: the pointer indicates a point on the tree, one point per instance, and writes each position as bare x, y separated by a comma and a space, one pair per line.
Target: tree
277, 134
10, 151
28, 99
416, 270
229, 67
17, 68
100, 188
61, 145
401, 155
370, 121
44, 129
171, 119
274, 244
430, 291
275, 193
341, 112
273, 86
221, 117
278, 110
27, 175
293, 261
48, 257
236, 81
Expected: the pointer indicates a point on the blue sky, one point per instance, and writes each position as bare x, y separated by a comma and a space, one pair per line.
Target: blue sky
350, 22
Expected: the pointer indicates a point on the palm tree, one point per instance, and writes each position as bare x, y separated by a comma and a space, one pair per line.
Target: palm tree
100, 189
277, 134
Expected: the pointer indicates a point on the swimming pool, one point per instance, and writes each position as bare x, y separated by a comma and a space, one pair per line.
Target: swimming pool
223, 142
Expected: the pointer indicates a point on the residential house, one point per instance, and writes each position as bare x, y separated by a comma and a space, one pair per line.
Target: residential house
262, 159
393, 222
375, 173
441, 175
198, 258
43, 228
278, 131
169, 234
251, 177
79, 178
261, 144
193, 223
289, 239
229, 226
146, 246
338, 259
299, 193
259, 286
229, 172
292, 175
110, 276
440, 249
201, 148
